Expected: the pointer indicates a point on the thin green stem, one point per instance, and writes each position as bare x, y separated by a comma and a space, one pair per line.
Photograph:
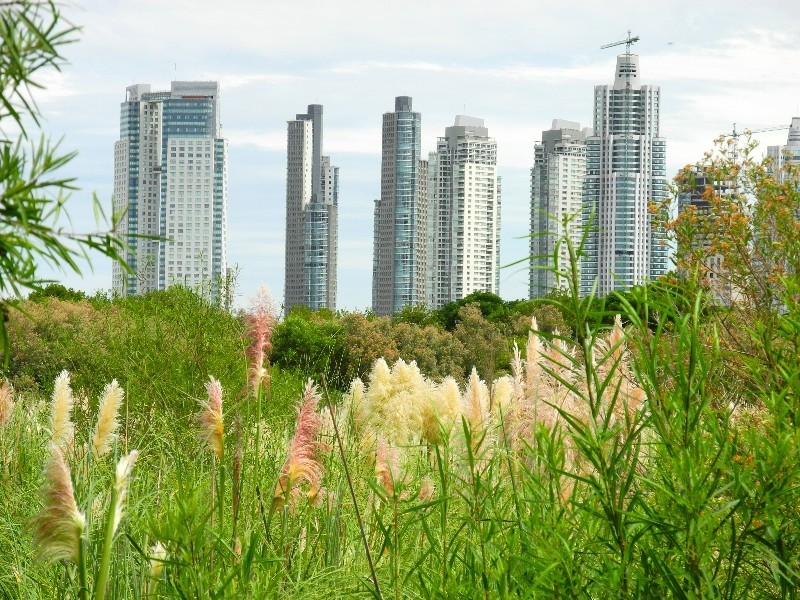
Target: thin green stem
350, 486
83, 592
108, 541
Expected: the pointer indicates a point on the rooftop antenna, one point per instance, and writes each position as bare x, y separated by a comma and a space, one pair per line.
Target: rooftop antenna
628, 41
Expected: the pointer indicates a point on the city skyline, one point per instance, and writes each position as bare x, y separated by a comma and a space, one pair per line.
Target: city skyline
735, 71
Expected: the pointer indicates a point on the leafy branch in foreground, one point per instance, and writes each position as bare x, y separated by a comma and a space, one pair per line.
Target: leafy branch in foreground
32, 190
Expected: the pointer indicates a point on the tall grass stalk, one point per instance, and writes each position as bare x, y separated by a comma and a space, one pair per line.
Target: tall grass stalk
349, 479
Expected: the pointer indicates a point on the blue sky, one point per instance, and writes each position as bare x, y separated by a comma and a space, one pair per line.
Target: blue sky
517, 65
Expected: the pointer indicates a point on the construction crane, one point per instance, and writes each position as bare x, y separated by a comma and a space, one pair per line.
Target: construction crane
628, 41
734, 135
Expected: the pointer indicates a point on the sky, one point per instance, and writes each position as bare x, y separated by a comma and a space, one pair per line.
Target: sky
516, 64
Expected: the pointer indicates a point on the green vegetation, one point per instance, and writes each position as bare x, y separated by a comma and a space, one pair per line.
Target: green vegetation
644, 445
33, 191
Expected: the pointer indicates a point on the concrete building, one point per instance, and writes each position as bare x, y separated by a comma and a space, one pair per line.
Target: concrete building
312, 199
400, 217
170, 181
790, 153
557, 176
696, 198
625, 174
463, 213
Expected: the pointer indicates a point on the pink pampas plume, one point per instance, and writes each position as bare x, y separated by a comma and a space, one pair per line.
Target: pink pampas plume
302, 463
210, 417
260, 322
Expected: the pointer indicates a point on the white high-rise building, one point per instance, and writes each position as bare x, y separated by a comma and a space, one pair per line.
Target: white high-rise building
556, 203
312, 200
464, 214
790, 153
170, 181
625, 175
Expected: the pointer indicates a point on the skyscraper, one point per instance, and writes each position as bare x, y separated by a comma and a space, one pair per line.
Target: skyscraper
556, 202
625, 173
398, 271
170, 181
312, 198
790, 153
464, 213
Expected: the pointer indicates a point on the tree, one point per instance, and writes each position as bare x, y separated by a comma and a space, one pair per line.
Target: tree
33, 192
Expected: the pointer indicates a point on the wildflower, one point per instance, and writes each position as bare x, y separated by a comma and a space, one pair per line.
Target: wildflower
210, 417
61, 427
121, 482
261, 323
301, 463
59, 525
107, 423
6, 403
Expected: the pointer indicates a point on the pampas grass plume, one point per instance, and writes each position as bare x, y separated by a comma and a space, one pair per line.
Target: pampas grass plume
6, 403
59, 525
158, 556
107, 422
475, 406
301, 463
386, 465
122, 480
260, 322
210, 417
61, 427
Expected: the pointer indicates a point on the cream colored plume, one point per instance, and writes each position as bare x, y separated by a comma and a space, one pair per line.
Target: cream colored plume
503, 395
121, 483
440, 410
61, 427
107, 415
533, 370
475, 405
59, 525
158, 556
394, 401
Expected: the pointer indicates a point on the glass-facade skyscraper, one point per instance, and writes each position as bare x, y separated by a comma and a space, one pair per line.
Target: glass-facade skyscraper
398, 271
170, 181
312, 201
625, 173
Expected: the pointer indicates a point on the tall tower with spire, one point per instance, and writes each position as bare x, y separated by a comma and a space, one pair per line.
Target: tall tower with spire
625, 175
